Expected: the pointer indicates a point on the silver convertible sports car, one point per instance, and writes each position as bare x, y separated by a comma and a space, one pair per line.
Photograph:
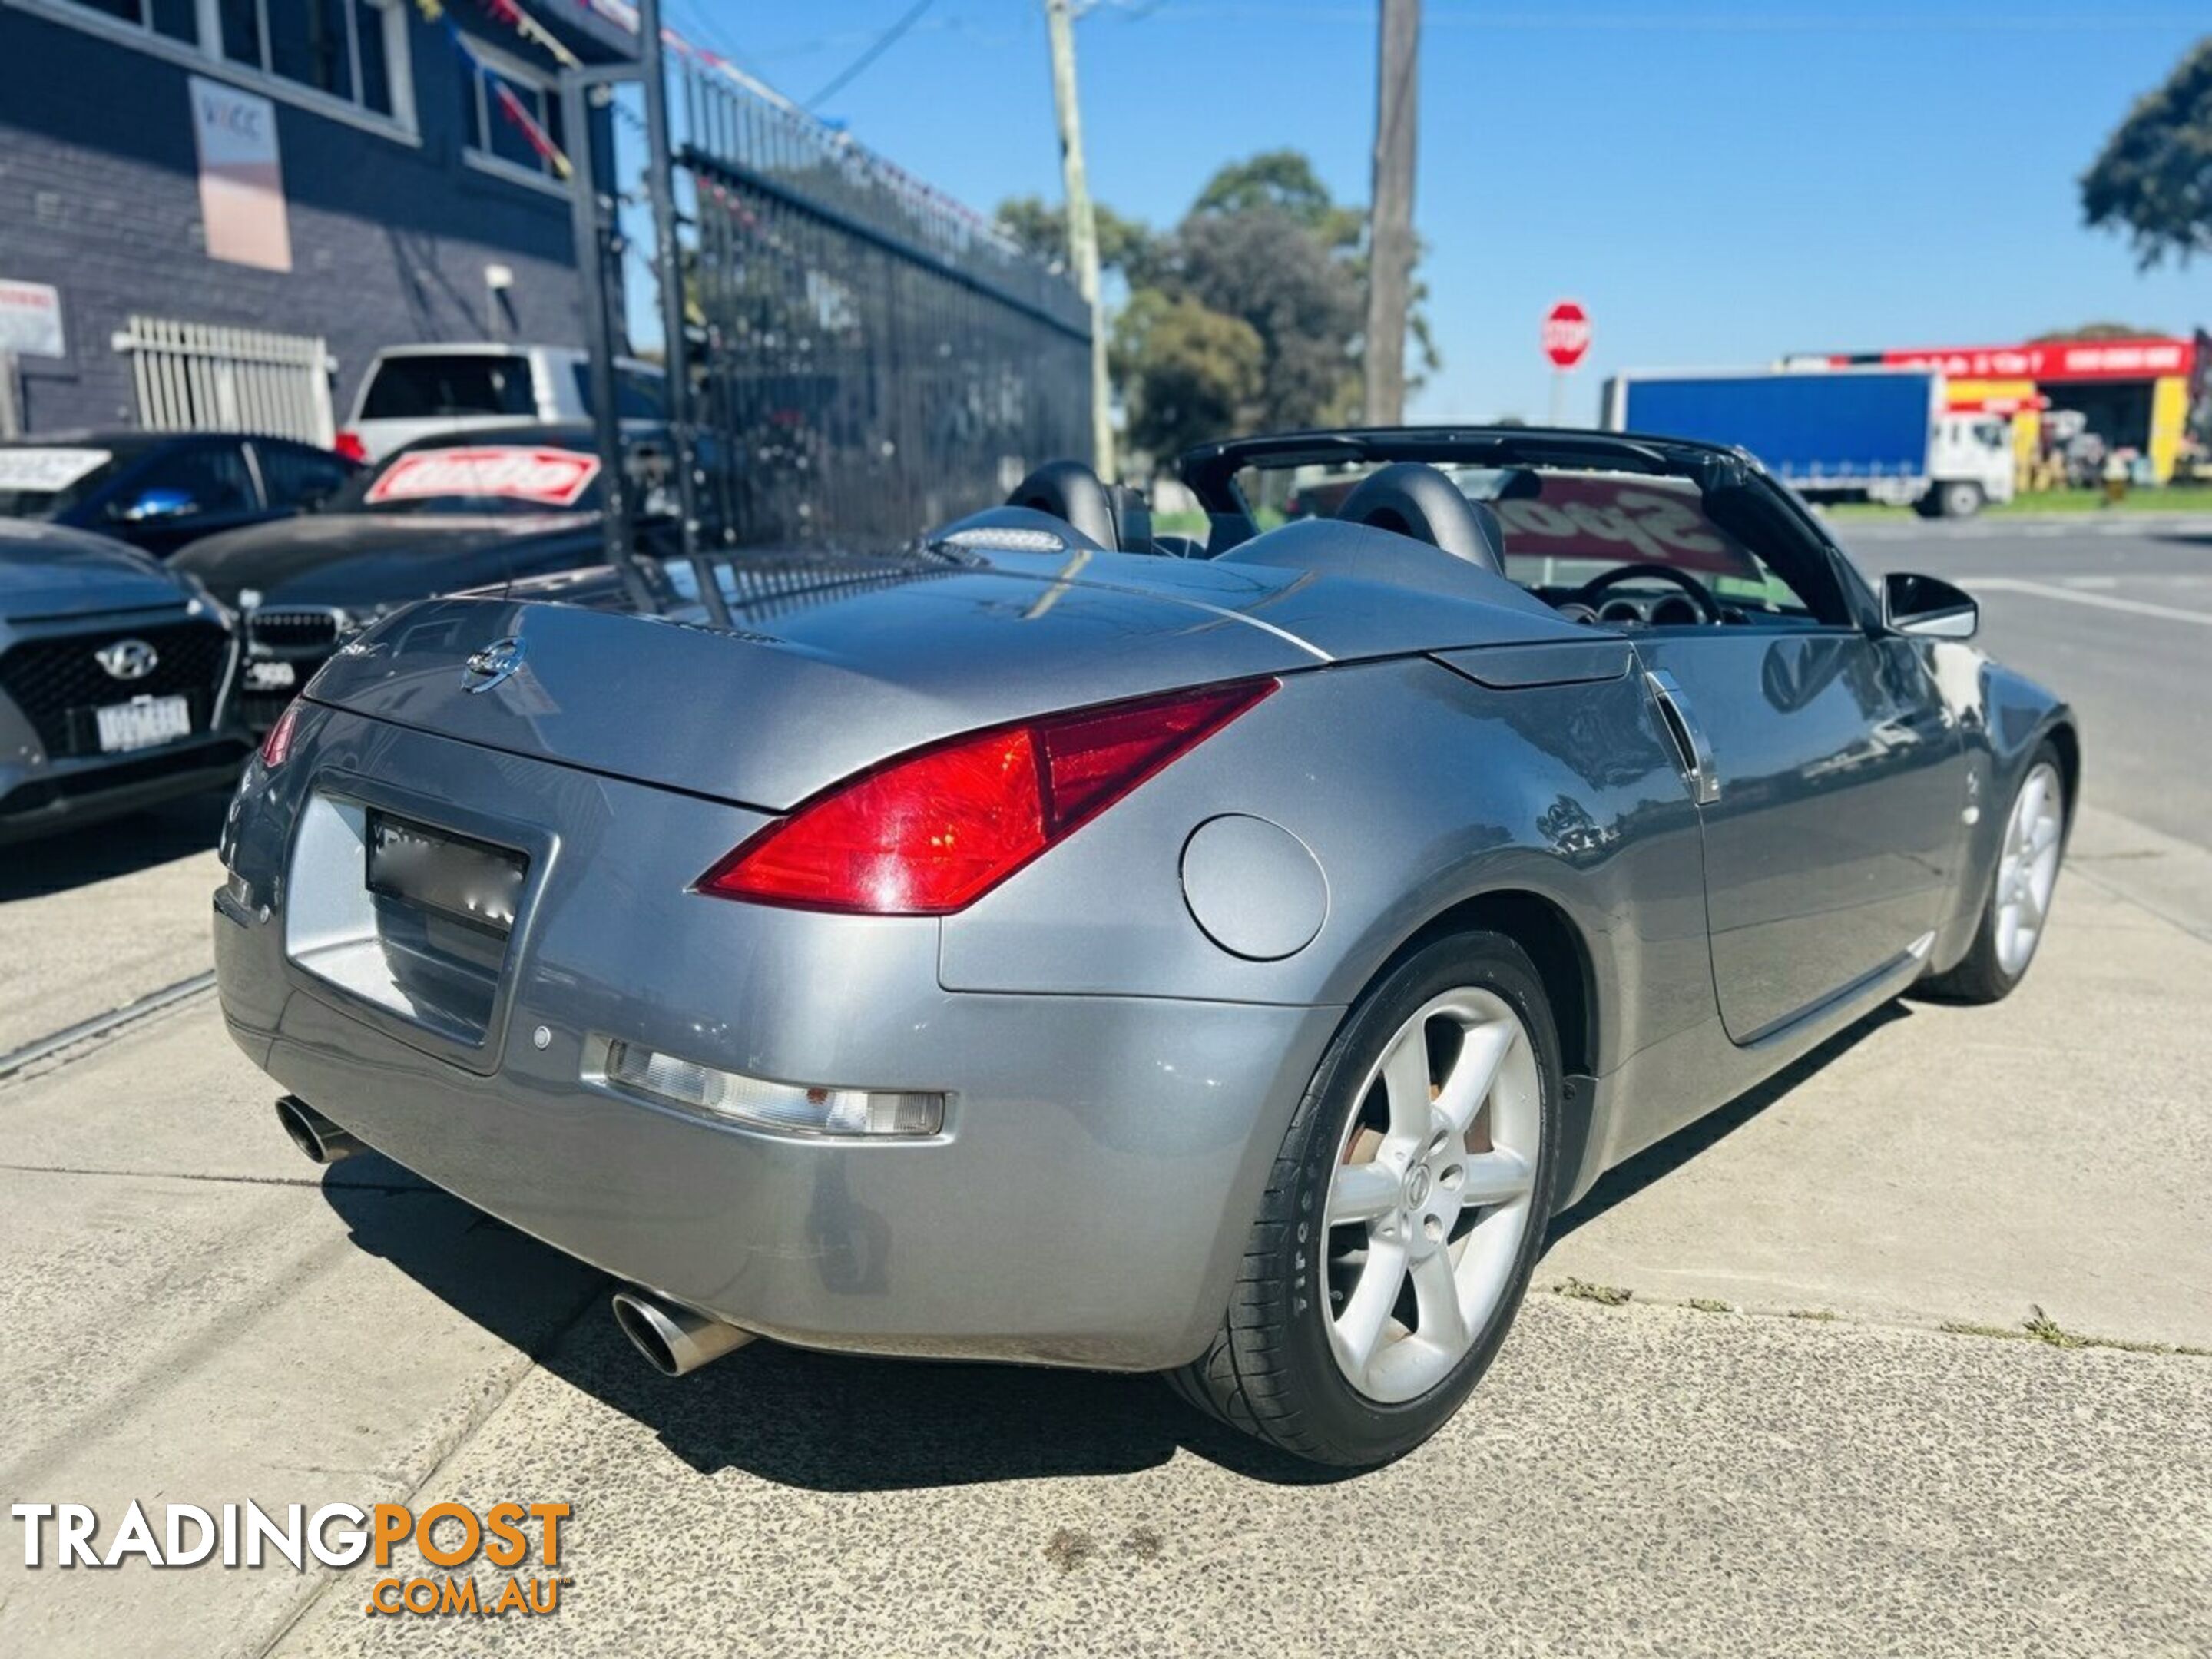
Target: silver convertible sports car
1066, 945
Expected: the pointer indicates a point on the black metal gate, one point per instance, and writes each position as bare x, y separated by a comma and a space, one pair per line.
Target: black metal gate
861, 357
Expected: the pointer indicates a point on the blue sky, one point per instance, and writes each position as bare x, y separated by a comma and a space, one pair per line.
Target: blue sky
1718, 182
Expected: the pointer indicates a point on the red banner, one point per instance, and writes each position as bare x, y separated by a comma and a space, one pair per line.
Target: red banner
554, 478
2059, 360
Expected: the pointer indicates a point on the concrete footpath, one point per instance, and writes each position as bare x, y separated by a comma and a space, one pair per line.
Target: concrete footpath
195, 1315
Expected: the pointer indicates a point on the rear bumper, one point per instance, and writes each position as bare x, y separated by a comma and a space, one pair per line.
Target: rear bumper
1086, 1206
1086, 1203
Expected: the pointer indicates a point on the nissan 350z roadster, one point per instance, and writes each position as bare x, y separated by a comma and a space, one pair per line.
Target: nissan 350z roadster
1066, 945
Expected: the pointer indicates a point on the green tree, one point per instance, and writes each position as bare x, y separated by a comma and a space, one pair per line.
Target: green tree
2092, 331
1246, 316
2154, 177
1304, 301
1283, 181
1188, 373
1126, 246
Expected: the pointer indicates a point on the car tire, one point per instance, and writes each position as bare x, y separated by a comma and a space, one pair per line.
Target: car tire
1996, 963
1281, 1365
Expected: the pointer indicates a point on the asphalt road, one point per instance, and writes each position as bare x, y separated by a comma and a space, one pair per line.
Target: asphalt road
2117, 613
1774, 1445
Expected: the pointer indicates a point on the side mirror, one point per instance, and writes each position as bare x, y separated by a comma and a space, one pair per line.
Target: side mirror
158, 504
1927, 607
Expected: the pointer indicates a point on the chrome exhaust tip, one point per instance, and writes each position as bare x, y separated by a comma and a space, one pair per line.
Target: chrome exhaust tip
322, 1140
675, 1340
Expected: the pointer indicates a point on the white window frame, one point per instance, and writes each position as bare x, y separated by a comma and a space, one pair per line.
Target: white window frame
513, 68
206, 57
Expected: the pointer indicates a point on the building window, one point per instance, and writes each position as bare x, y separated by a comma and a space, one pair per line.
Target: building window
348, 53
340, 48
492, 135
177, 20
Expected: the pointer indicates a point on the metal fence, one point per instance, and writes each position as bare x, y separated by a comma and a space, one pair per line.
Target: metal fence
867, 357
201, 377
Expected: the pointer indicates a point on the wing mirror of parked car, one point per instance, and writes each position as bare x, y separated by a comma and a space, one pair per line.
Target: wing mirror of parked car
153, 504
1927, 607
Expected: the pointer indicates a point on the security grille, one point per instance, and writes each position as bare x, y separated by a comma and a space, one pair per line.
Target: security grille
198, 377
866, 356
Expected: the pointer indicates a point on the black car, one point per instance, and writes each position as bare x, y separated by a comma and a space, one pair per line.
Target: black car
159, 490
115, 682
454, 511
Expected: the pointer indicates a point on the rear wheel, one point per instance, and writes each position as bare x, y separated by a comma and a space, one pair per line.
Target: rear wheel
1404, 1216
2019, 902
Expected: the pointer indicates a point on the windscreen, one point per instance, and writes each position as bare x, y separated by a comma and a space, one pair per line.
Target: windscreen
1564, 527
465, 384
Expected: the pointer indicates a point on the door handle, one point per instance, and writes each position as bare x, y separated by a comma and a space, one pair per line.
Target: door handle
1688, 736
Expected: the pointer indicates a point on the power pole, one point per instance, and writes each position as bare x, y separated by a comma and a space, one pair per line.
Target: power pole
1390, 210
1082, 224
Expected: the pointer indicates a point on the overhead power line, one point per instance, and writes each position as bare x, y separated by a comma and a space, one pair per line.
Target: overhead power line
882, 44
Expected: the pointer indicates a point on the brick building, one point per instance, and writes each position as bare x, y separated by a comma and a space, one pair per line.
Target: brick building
177, 172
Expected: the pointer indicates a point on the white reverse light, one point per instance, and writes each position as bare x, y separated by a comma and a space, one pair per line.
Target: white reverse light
793, 1108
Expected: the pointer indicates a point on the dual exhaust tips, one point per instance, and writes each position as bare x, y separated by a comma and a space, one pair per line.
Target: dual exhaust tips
676, 1340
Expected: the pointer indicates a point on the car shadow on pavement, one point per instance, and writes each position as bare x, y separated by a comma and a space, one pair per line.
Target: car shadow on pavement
1624, 1181
845, 1423
820, 1421
71, 858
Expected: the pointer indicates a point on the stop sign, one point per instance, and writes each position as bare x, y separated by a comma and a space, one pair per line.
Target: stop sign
1567, 333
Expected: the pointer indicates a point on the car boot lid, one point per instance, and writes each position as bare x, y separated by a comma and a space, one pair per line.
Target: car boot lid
832, 663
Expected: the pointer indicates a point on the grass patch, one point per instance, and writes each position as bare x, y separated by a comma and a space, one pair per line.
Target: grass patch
2170, 498
1707, 1304
2044, 1328
1823, 1314
2040, 1327
1581, 1290
1192, 522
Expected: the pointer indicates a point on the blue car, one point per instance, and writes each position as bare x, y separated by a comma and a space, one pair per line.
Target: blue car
159, 490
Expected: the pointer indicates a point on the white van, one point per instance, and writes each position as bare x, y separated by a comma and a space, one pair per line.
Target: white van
411, 391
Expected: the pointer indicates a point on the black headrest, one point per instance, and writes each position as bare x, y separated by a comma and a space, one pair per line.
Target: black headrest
1414, 499
1071, 492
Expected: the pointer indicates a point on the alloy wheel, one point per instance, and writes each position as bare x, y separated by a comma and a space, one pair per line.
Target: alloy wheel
1432, 1191
2027, 867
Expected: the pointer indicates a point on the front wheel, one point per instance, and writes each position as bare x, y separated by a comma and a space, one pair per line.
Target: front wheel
1404, 1217
1961, 500
2019, 902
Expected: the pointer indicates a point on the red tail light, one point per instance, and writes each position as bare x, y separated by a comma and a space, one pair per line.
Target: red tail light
349, 444
278, 742
933, 832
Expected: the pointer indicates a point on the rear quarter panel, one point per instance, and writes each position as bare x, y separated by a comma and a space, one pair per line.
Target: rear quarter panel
1415, 789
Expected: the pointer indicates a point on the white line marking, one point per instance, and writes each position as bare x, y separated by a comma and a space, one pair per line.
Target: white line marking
2105, 601
2090, 581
